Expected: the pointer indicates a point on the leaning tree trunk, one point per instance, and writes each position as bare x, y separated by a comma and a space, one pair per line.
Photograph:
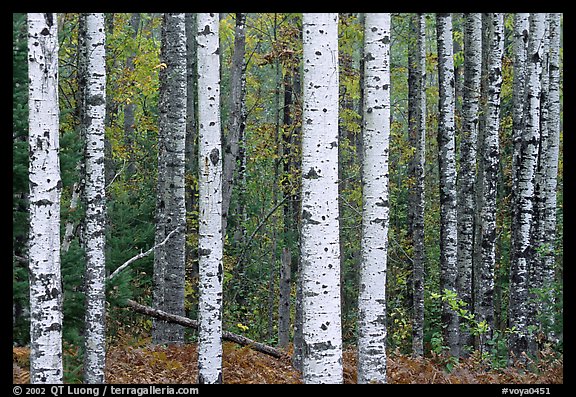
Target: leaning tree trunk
45, 189
169, 259
484, 300
417, 121
95, 195
468, 149
375, 204
447, 166
319, 242
523, 213
210, 243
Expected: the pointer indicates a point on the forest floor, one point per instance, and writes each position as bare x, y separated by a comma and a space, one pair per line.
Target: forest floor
148, 364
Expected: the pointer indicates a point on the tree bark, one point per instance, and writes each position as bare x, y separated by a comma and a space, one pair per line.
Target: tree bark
45, 190
237, 121
284, 299
551, 153
417, 128
375, 204
319, 242
169, 259
447, 167
468, 153
517, 308
490, 152
95, 199
210, 244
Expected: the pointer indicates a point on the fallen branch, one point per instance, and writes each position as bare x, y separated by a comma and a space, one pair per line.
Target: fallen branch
187, 322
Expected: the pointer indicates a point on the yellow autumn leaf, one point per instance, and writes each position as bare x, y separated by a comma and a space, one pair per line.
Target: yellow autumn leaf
242, 326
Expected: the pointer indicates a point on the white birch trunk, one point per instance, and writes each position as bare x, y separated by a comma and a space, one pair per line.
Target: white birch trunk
447, 166
169, 259
319, 241
45, 189
484, 301
468, 154
375, 206
551, 167
210, 195
518, 306
95, 330
520, 48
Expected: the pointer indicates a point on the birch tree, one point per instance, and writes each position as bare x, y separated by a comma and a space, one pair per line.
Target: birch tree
447, 166
44, 201
417, 128
319, 240
550, 168
544, 227
535, 268
520, 48
210, 244
169, 259
468, 149
375, 205
517, 308
484, 272
237, 120
95, 196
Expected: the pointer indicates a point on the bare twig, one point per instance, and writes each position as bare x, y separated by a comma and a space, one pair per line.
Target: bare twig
141, 255
241, 257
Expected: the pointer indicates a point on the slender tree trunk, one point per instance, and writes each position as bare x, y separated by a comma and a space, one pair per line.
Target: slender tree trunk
210, 244
520, 48
284, 299
70, 229
191, 147
535, 270
447, 166
319, 243
484, 300
169, 259
375, 212
95, 196
551, 154
517, 308
237, 121
45, 189
417, 120
468, 150
129, 108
